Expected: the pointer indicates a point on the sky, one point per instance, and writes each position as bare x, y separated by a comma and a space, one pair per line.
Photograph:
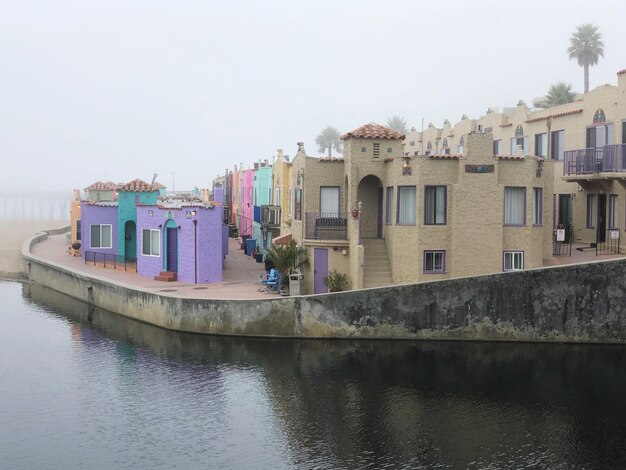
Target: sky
122, 89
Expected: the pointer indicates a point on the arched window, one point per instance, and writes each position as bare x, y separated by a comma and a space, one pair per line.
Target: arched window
599, 117
462, 144
429, 148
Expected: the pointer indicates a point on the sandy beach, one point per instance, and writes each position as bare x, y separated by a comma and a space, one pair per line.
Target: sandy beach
12, 235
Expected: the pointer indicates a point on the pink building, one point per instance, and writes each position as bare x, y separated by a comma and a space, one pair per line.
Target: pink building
245, 208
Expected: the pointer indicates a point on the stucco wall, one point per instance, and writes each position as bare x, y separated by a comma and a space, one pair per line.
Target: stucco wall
567, 303
94, 215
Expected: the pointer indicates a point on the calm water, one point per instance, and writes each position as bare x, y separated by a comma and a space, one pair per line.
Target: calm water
81, 389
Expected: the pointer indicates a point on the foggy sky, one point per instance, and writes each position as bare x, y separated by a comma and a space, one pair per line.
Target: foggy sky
118, 89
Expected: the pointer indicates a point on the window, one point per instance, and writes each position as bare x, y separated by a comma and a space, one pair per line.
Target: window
389, 150
591, 209
388, 205
363, 149
514, 206
599, 116
537, 206
435, 202
513, 260
557, 146
298, 204
434, 262
497, 147
541, 145
150, 242
329, 201
277, 195
376, 150
461, 146
406, 205
291, 197
100, 236
613, 211
78, 233
429, 148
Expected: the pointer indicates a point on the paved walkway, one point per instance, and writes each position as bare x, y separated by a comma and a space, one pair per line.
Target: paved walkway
240, 275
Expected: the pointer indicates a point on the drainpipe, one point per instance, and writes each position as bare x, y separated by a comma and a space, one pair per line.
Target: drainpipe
195, 249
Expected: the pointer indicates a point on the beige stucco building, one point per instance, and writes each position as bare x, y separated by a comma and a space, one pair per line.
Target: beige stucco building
382, 216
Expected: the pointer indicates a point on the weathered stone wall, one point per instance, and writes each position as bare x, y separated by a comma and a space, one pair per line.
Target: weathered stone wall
569, 303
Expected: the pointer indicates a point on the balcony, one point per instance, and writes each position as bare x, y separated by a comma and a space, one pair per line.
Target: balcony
325, 226
606, 159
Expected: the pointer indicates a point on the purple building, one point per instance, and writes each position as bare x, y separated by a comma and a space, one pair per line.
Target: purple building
181, 237
99, 229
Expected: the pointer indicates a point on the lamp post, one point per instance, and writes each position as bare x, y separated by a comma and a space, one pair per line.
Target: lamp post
195, 247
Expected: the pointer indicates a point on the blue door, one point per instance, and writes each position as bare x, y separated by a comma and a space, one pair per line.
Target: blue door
172, 249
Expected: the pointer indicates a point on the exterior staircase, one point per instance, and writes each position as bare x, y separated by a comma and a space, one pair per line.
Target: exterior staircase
376, 272
166, 276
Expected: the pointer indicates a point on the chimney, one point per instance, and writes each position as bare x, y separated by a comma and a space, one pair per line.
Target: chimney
301, 147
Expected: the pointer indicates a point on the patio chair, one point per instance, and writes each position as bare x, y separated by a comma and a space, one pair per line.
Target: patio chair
269, 282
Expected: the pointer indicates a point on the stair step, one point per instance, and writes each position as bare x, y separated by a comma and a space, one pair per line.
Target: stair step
166, 276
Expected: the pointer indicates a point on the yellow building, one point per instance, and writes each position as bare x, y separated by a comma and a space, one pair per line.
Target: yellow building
384, 217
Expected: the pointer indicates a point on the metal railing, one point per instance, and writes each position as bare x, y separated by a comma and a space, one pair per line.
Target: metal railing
110, 260
562, 238
608, 158
325, 226
610, 244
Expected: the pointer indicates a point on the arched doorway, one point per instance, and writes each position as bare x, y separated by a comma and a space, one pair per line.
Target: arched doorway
170, 242
130, 240
370, 193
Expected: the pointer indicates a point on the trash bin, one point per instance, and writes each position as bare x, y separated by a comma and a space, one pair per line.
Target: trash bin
294, 283
250, 246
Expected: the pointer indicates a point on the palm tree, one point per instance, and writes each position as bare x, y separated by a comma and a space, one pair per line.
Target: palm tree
586, 46
287, 258
397, 123
559, 93
329, 139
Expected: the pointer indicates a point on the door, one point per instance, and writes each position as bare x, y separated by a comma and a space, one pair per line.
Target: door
565, 212
130, 240
379, 219
601, 227
320, 270
172, 249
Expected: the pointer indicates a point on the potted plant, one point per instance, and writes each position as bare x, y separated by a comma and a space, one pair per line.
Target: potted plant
287, 259
336, 281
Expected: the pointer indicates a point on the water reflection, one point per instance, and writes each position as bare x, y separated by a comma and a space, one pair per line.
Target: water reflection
342, 404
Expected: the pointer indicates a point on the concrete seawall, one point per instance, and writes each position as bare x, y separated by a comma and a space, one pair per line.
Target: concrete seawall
573, 303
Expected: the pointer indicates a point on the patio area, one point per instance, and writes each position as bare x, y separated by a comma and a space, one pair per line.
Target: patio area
586, 256
240, 278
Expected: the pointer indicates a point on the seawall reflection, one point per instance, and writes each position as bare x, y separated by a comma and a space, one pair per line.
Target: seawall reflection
352, 404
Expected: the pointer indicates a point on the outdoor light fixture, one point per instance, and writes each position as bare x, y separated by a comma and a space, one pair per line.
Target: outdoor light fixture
406, 165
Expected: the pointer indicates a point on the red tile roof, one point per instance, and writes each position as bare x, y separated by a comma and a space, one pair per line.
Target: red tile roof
140, 186
102, 186
374, 131
510, 157
558, 115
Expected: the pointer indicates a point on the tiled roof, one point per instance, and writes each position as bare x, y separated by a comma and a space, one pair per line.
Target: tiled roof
140, 186
553, 116
443, 156
331, 159
506, 125
621, 72
374, 131
510, 157
100, 203
102, 186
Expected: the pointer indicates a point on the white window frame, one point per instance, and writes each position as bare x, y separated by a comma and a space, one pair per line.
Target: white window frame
158, 245
101, 247
515, 261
